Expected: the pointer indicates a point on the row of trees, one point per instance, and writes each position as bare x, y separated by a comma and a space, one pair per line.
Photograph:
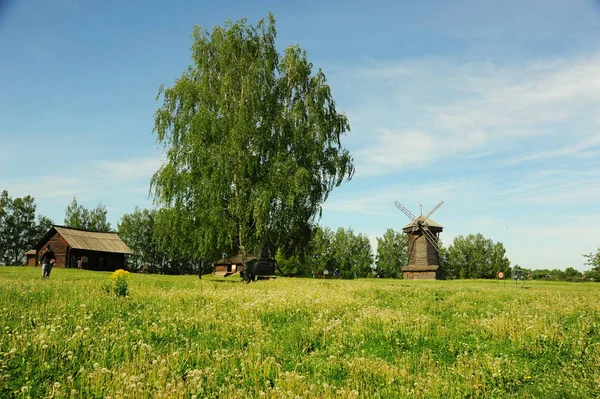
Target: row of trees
473, 256
150, 233
162, 243
592, 260
20, 227
342, 250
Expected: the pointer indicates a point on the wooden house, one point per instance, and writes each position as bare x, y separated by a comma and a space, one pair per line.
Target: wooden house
97, 250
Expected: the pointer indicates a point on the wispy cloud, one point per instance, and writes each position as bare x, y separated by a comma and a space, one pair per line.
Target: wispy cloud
119, 185
432, 110
129, 169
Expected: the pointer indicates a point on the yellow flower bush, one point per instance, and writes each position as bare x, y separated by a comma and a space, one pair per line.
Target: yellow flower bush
118, 283
117, 274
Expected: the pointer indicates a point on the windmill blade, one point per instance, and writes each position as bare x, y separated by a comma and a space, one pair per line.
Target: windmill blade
406, 211
435, 208
431, 238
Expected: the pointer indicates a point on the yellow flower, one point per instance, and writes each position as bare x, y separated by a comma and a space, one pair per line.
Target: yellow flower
117, 274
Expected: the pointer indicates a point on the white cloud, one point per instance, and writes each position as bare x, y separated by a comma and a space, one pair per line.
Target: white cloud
129, 169
423, 111
119, 185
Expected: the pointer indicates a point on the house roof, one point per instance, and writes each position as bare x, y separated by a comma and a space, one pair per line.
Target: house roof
30, 252
236, 260
89, 240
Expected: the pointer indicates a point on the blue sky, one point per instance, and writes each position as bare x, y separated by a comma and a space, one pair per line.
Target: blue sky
489, 106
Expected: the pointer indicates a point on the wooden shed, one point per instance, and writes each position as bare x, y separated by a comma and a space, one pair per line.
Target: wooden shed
30, 256
97, 250
229, 266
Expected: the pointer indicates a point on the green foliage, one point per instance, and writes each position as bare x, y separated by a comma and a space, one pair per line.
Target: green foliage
392, 254
159, 243
320, 256
592, 275
343, 250
252, 141
136, 229
121, 287
474, 256
351, 254
290, 266
179, 336
79, 217
572, 274
593, 260
19, 230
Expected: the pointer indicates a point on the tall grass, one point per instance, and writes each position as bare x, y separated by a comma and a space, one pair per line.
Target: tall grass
181, 337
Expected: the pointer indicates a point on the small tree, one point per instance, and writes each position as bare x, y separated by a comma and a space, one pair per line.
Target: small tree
474, 256
351, 253
392, 254
593, 260
19, 230
136, 229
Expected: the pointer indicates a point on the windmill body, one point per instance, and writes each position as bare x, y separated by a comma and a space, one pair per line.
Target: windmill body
423, 246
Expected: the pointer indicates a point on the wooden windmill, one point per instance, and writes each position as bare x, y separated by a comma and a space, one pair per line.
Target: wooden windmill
423, 245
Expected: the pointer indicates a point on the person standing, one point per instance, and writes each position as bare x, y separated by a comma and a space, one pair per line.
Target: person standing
47, 258
79, 262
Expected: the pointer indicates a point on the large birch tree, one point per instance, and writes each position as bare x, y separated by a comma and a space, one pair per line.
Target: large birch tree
252, 142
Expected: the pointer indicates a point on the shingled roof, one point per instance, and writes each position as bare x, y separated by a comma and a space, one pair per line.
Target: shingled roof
90, 240
428, 222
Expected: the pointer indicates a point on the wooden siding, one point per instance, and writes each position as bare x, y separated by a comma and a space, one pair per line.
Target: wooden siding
31, 260
421, 252
425, 275
59, 245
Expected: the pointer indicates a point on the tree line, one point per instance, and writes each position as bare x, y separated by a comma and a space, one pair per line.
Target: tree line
161, 245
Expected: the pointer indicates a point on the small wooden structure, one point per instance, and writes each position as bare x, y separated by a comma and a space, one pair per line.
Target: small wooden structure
256, 267
97, 250
227, 267
30, 256
423, 246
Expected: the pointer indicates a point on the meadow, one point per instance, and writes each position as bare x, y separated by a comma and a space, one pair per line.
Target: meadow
182, 337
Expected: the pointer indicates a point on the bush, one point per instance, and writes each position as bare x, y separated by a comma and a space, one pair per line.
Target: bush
117, 283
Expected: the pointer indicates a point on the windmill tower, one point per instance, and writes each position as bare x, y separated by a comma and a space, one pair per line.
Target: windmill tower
423, 245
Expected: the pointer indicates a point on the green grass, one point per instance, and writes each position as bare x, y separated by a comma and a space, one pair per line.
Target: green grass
182, 337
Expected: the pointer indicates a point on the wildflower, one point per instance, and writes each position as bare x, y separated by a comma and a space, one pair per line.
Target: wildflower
119, 274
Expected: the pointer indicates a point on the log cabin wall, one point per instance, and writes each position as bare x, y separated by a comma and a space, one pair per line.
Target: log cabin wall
59, 245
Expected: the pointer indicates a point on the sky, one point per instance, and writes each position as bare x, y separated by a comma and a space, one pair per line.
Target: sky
491, 107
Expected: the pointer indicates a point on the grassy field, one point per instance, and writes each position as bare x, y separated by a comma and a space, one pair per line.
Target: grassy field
181, 337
